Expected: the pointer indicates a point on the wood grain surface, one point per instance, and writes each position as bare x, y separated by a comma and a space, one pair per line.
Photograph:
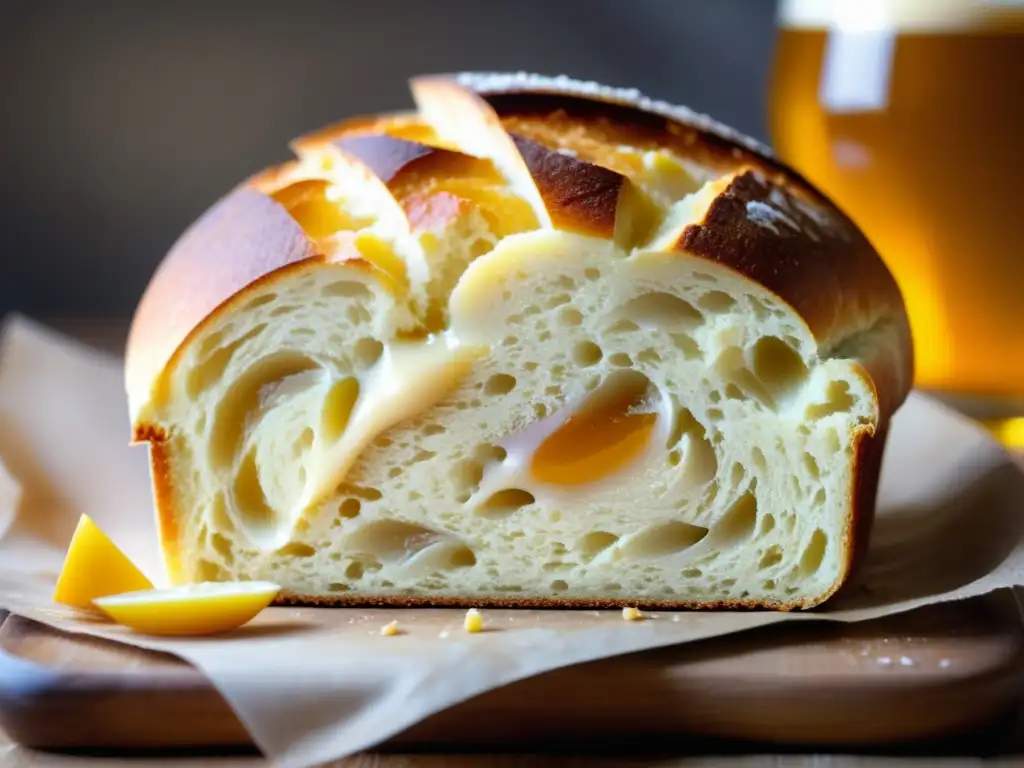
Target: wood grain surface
13, 756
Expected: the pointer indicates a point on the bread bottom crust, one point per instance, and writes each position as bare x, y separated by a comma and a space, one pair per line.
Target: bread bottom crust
538, 603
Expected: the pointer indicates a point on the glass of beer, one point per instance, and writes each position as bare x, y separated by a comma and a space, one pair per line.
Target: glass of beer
910, 115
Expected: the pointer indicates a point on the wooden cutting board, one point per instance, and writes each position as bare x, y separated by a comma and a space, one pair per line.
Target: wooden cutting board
937, 671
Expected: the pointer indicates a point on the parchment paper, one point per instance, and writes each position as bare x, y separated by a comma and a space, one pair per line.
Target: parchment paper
315, 685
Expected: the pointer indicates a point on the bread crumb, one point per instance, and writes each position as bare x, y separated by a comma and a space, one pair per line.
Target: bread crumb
389, 630
631, 614
474, 621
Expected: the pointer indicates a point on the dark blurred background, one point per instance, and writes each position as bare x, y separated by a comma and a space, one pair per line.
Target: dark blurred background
123, 120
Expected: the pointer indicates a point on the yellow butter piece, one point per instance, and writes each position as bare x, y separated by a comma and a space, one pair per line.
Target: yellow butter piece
195, 609
95, 567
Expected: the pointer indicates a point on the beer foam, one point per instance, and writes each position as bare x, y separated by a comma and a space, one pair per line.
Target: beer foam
900, 15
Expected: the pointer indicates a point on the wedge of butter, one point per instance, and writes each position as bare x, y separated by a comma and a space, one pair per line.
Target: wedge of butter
195, 609
95, 567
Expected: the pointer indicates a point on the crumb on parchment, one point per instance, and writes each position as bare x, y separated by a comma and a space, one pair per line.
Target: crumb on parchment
631, 614
474, 621
390, 630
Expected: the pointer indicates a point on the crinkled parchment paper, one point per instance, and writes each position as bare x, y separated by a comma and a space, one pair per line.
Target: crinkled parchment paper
314, 685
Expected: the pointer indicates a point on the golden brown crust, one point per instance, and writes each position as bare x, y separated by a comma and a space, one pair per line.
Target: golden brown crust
869, 449
412, 171
580, 196
594, 128
243, 237
166, 514
148, 433
811, 257
432, 184
387, 156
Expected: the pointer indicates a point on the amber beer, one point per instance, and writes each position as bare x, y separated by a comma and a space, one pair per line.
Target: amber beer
911, 116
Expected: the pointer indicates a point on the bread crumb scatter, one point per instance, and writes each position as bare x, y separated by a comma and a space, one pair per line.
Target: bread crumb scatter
474, 620
390, 630
631, 614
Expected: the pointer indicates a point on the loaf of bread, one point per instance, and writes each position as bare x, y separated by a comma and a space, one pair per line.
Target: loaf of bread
536, 343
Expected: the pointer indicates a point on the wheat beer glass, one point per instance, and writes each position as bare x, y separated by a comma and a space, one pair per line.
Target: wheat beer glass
910, 115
